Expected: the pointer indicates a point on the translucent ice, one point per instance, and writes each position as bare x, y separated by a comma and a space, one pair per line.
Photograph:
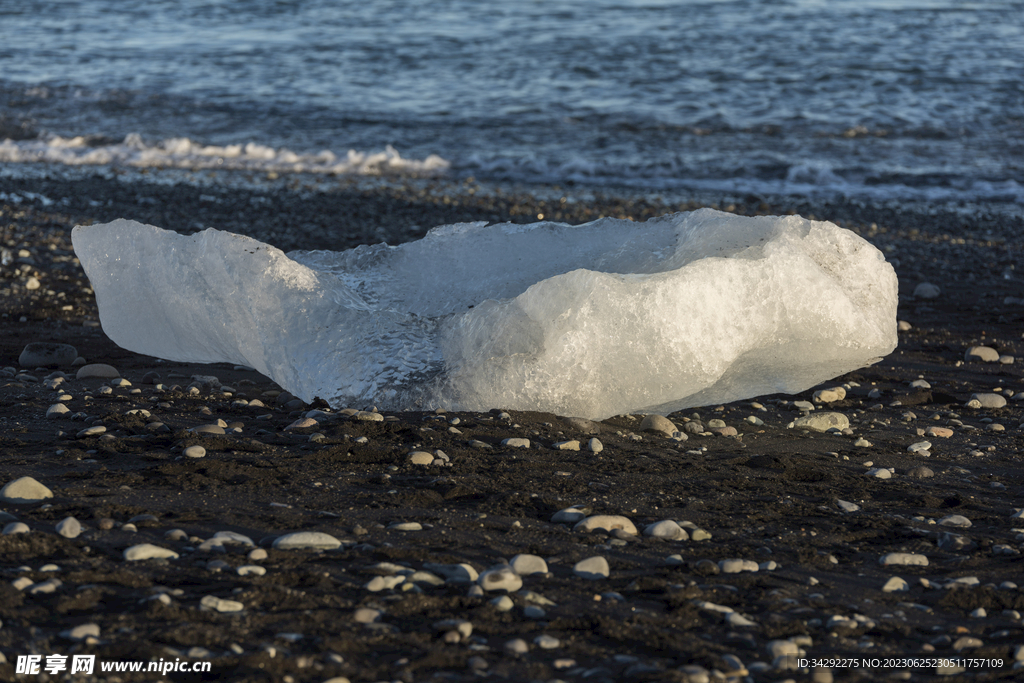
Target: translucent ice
593, 320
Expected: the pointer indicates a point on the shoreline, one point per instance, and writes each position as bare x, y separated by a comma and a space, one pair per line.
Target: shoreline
796, 504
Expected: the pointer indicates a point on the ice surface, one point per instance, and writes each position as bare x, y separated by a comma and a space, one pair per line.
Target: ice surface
594, 320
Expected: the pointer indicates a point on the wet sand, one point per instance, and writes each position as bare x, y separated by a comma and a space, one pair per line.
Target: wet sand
770, 494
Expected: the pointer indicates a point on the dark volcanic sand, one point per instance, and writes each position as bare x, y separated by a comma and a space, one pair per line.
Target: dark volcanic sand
768, 494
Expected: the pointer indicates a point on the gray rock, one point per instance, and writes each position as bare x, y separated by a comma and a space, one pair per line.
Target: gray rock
526, 564
985, 354
500, 578
146, 551
595, 445
57, 410
23, 491
822, 422
194, 452
667, 529
592, 568
989, 400
606, 523
910, 559
658, 423
927, 290
306, 539
47, 355
516, 442
97, 370
69, 527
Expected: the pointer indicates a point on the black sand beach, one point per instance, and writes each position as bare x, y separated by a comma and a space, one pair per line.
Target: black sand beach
779, 498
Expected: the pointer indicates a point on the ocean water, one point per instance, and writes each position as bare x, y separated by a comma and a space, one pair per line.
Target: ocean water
874, 99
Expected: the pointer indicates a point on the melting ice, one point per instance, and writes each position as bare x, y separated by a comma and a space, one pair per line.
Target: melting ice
593, 320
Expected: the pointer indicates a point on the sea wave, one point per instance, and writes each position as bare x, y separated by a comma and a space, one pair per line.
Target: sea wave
183, 153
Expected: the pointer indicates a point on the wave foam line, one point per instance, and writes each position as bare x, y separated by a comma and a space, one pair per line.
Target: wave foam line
185, 154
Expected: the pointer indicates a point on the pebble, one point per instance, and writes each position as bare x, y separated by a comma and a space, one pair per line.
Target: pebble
847, 506
822, 422
919, 447
592, 568
380, 583
570, 515
920, 384
955, 520
735, 566
23, 491
502, 577
595, 445
830, 395
208, 429
405, 526
879, 473
940, 432
69, 527
920, 472
861, 442
251, 570
517, 646
658, 423
306, 539
516, 442
912, 559
572, 445
194, 452
526, 564
47, 355
904, 326
302, 423
546, 642
146, 551
15, 528
667, 529
607, 523
989, 400
81, 632
420, 458
366, 615
503, 603
984, 354
894, 584
216, 604
97, 370
369, 416
453, 573
927, 290
95, 430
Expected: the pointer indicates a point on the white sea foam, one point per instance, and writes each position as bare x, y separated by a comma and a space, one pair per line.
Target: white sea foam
186, 154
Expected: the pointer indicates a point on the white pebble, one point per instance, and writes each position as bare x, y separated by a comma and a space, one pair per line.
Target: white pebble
592, 568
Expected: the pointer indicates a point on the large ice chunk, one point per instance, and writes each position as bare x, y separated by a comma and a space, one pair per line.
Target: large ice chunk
593, 320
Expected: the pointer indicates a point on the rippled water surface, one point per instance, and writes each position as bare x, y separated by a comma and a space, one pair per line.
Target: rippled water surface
917, 99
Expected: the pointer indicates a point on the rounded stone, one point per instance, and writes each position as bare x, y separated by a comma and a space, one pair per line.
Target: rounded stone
526, 564
419, 458
822, 422
606, 523
895, 584
592, 568
95, 430
500, 578
984, 354
595, 445
23, 491
989, 400
908, 559
667, 529
516, 442
927, 290
658, 423
146, 551
47, 355
57, 410
69, 527
97, 370
307, 539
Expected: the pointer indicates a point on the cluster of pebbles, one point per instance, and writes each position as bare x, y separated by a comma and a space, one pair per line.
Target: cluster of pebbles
155, 510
